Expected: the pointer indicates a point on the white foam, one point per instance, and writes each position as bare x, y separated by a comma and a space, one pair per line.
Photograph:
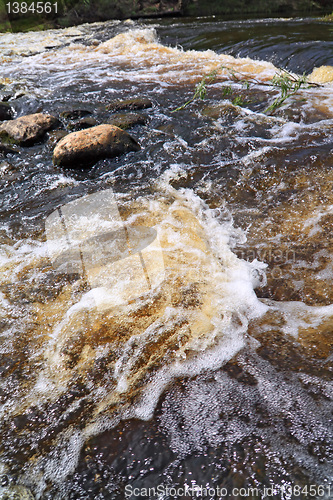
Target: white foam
138, 49
300, 316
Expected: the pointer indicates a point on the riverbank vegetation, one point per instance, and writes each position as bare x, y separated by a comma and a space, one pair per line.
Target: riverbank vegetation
223, 7
72, 12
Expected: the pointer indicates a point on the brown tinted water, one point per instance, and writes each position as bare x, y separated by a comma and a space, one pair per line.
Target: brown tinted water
221, 374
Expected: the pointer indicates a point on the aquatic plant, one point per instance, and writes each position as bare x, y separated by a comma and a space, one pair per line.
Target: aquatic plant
200, 90
287, 83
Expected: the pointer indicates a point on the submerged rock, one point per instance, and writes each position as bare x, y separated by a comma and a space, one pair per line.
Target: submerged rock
78, 119
4, 151
6, 96
130, 104
6, 168
225, 110
74, 114
6, 112
86, 122
15, 492
128, 120
86, 147
55, 136
28, 129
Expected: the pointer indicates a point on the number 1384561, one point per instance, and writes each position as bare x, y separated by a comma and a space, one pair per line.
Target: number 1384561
32, 8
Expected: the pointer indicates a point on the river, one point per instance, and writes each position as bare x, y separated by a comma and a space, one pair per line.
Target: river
219, 376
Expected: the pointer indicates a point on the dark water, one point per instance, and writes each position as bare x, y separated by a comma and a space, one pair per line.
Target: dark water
250, 413
294, 44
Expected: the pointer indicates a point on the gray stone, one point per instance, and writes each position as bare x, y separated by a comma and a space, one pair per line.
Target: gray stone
6, 112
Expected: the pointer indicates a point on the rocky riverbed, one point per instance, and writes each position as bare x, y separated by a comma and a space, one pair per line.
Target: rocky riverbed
166, 313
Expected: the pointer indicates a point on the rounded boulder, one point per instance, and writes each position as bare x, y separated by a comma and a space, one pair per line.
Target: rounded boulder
86, 147
27, 129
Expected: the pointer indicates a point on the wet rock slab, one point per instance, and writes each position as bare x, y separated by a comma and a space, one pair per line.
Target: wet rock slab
128, 120
5, 150
28, 129
81, 124
86, 147
129, 104
55, 136
6, 112
74, 114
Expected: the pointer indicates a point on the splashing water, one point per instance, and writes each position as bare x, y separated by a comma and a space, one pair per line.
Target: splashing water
234, 385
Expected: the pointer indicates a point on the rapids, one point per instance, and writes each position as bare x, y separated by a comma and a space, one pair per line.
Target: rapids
219, 371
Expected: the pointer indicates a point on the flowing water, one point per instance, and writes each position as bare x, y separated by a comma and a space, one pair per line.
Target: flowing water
219, 375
